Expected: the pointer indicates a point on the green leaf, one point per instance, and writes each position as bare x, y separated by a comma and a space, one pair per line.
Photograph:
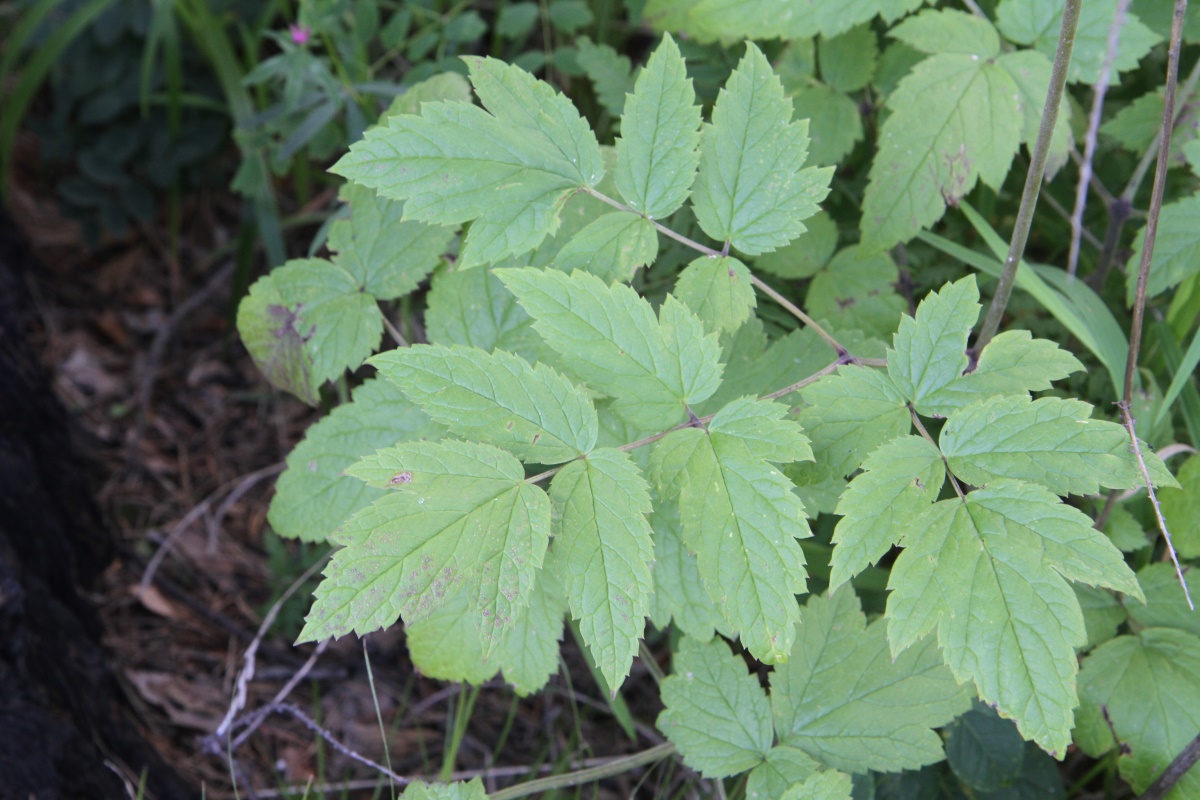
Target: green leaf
1147, 683
718, 290
1165, 606
498, 398
610, 72
459, 514
612, 247
843, 699
1125, 531
267, 326
510, 170
446, 86
930, 350
822, 786
473, 308
898, 482
985, 751
1136, 125
1037, 23
458, 790
386, 256
1102, 614
858, 292
679, 594
340, 324
949, 31
741, 518
780, 770
517, 19
603, 550
657, 155
715, 714
805, 256
570, 15
847, 61
1030, 71
1005, 553
1052, 441
956, 119
1176, 250
608, 336
529, 653
850, 413
709, 20
1157, 14
756, 203
834, 123
445, 645
1012, 363
313, 496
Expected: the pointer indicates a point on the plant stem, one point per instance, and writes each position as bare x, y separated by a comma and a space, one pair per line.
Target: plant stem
1174, 771
614, 767
789, 306
1148, 158
1033, 178
925, 435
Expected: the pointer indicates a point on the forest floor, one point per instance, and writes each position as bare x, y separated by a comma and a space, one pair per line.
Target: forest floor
187, 437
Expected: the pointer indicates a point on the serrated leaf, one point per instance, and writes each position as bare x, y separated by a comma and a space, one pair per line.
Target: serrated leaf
340, 324
445, 645
472, 307
949, 31
1030, 71
1037, 23
1176, 249
529, 653
930, 349
497, 398
459, 515
780, 770
267, 326
834, 123
1004, 556
1165, 605
843, 699
1012, 363
755, 366
985, 751
956, 119
611, 247
387, 256
603, 549
608, 336
610, 72
1136, 126
459, 790
742, 520
1052, 441
709, 20
657, 155
678, 592
313, 496
805, 256
1102, 614
762, 425
716, 714
752, 189
847, 61
898, 482
446, 86
827, 785
1147, 683
1125, 531
850, 413
857, 291
718, 290
510, 170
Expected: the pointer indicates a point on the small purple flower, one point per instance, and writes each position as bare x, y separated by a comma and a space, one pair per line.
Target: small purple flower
300, 33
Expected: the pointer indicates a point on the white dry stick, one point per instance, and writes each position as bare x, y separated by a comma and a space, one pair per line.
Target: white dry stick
1089, 146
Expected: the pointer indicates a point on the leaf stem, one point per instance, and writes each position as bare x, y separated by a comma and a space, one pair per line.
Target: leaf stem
788, 305
614, 767
1033, 178
925, 434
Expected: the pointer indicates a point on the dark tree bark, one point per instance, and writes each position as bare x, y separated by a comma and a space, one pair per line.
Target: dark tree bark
62, 715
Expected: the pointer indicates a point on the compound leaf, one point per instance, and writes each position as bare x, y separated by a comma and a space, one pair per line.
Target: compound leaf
678, 592
1051, 441
458, 515
611, 247
660, 131
608, 336
850, 413
753, 190
843, 699
991, 574
529, 653
718, 290
603, 549
828, 785
314, 496
472, 307
782, 768
898, 482
858, 292
497, 398
930, 350
716, 714
445, 645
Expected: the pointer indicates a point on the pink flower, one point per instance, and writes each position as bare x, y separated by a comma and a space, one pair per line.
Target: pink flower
300, 33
